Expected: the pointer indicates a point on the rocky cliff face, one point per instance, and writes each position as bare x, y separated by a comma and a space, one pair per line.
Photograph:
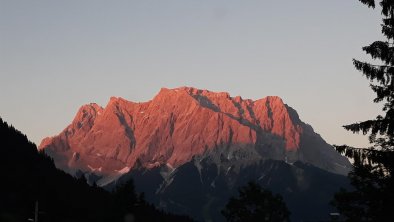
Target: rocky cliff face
182, 124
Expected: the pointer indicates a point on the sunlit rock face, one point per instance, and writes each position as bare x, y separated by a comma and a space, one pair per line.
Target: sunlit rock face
180, 124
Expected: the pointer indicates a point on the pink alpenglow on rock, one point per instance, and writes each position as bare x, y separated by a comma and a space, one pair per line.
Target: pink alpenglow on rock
172, 128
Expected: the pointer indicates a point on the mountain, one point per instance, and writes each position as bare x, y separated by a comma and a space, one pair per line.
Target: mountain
29, 177
201, 188
181, 123
198, 130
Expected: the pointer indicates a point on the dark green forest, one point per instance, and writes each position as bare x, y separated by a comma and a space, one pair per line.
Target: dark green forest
29, 176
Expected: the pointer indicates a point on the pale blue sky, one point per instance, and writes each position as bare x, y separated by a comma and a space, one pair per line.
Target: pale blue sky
57, 55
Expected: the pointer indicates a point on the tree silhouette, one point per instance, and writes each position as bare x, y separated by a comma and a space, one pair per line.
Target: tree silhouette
256, 204
373, 196
28, 176
125, 196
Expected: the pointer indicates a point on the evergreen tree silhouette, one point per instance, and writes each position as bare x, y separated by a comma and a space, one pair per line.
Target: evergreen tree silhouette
372, 175
256, 204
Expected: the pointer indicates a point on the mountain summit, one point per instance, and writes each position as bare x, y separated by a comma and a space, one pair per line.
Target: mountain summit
180, 124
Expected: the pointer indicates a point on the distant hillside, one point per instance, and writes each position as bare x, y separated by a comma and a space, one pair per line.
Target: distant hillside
203, 186
28, 176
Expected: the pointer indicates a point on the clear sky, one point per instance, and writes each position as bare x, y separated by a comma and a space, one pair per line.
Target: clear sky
58, 55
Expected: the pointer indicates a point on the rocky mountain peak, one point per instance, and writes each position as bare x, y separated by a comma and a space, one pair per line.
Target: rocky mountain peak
176, 126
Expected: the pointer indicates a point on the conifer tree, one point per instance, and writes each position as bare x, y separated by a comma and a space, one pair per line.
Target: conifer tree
256, 204
372, 176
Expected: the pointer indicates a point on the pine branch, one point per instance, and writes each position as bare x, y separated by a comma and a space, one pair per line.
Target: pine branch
368, 155
369, 3
381, 73
380, 50
388, 31
387, 7
379, 126
382, 92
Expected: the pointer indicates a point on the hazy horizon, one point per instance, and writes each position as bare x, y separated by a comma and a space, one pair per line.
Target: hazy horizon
57, 56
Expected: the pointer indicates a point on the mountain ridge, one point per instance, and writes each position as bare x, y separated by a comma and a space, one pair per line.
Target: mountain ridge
179, 124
